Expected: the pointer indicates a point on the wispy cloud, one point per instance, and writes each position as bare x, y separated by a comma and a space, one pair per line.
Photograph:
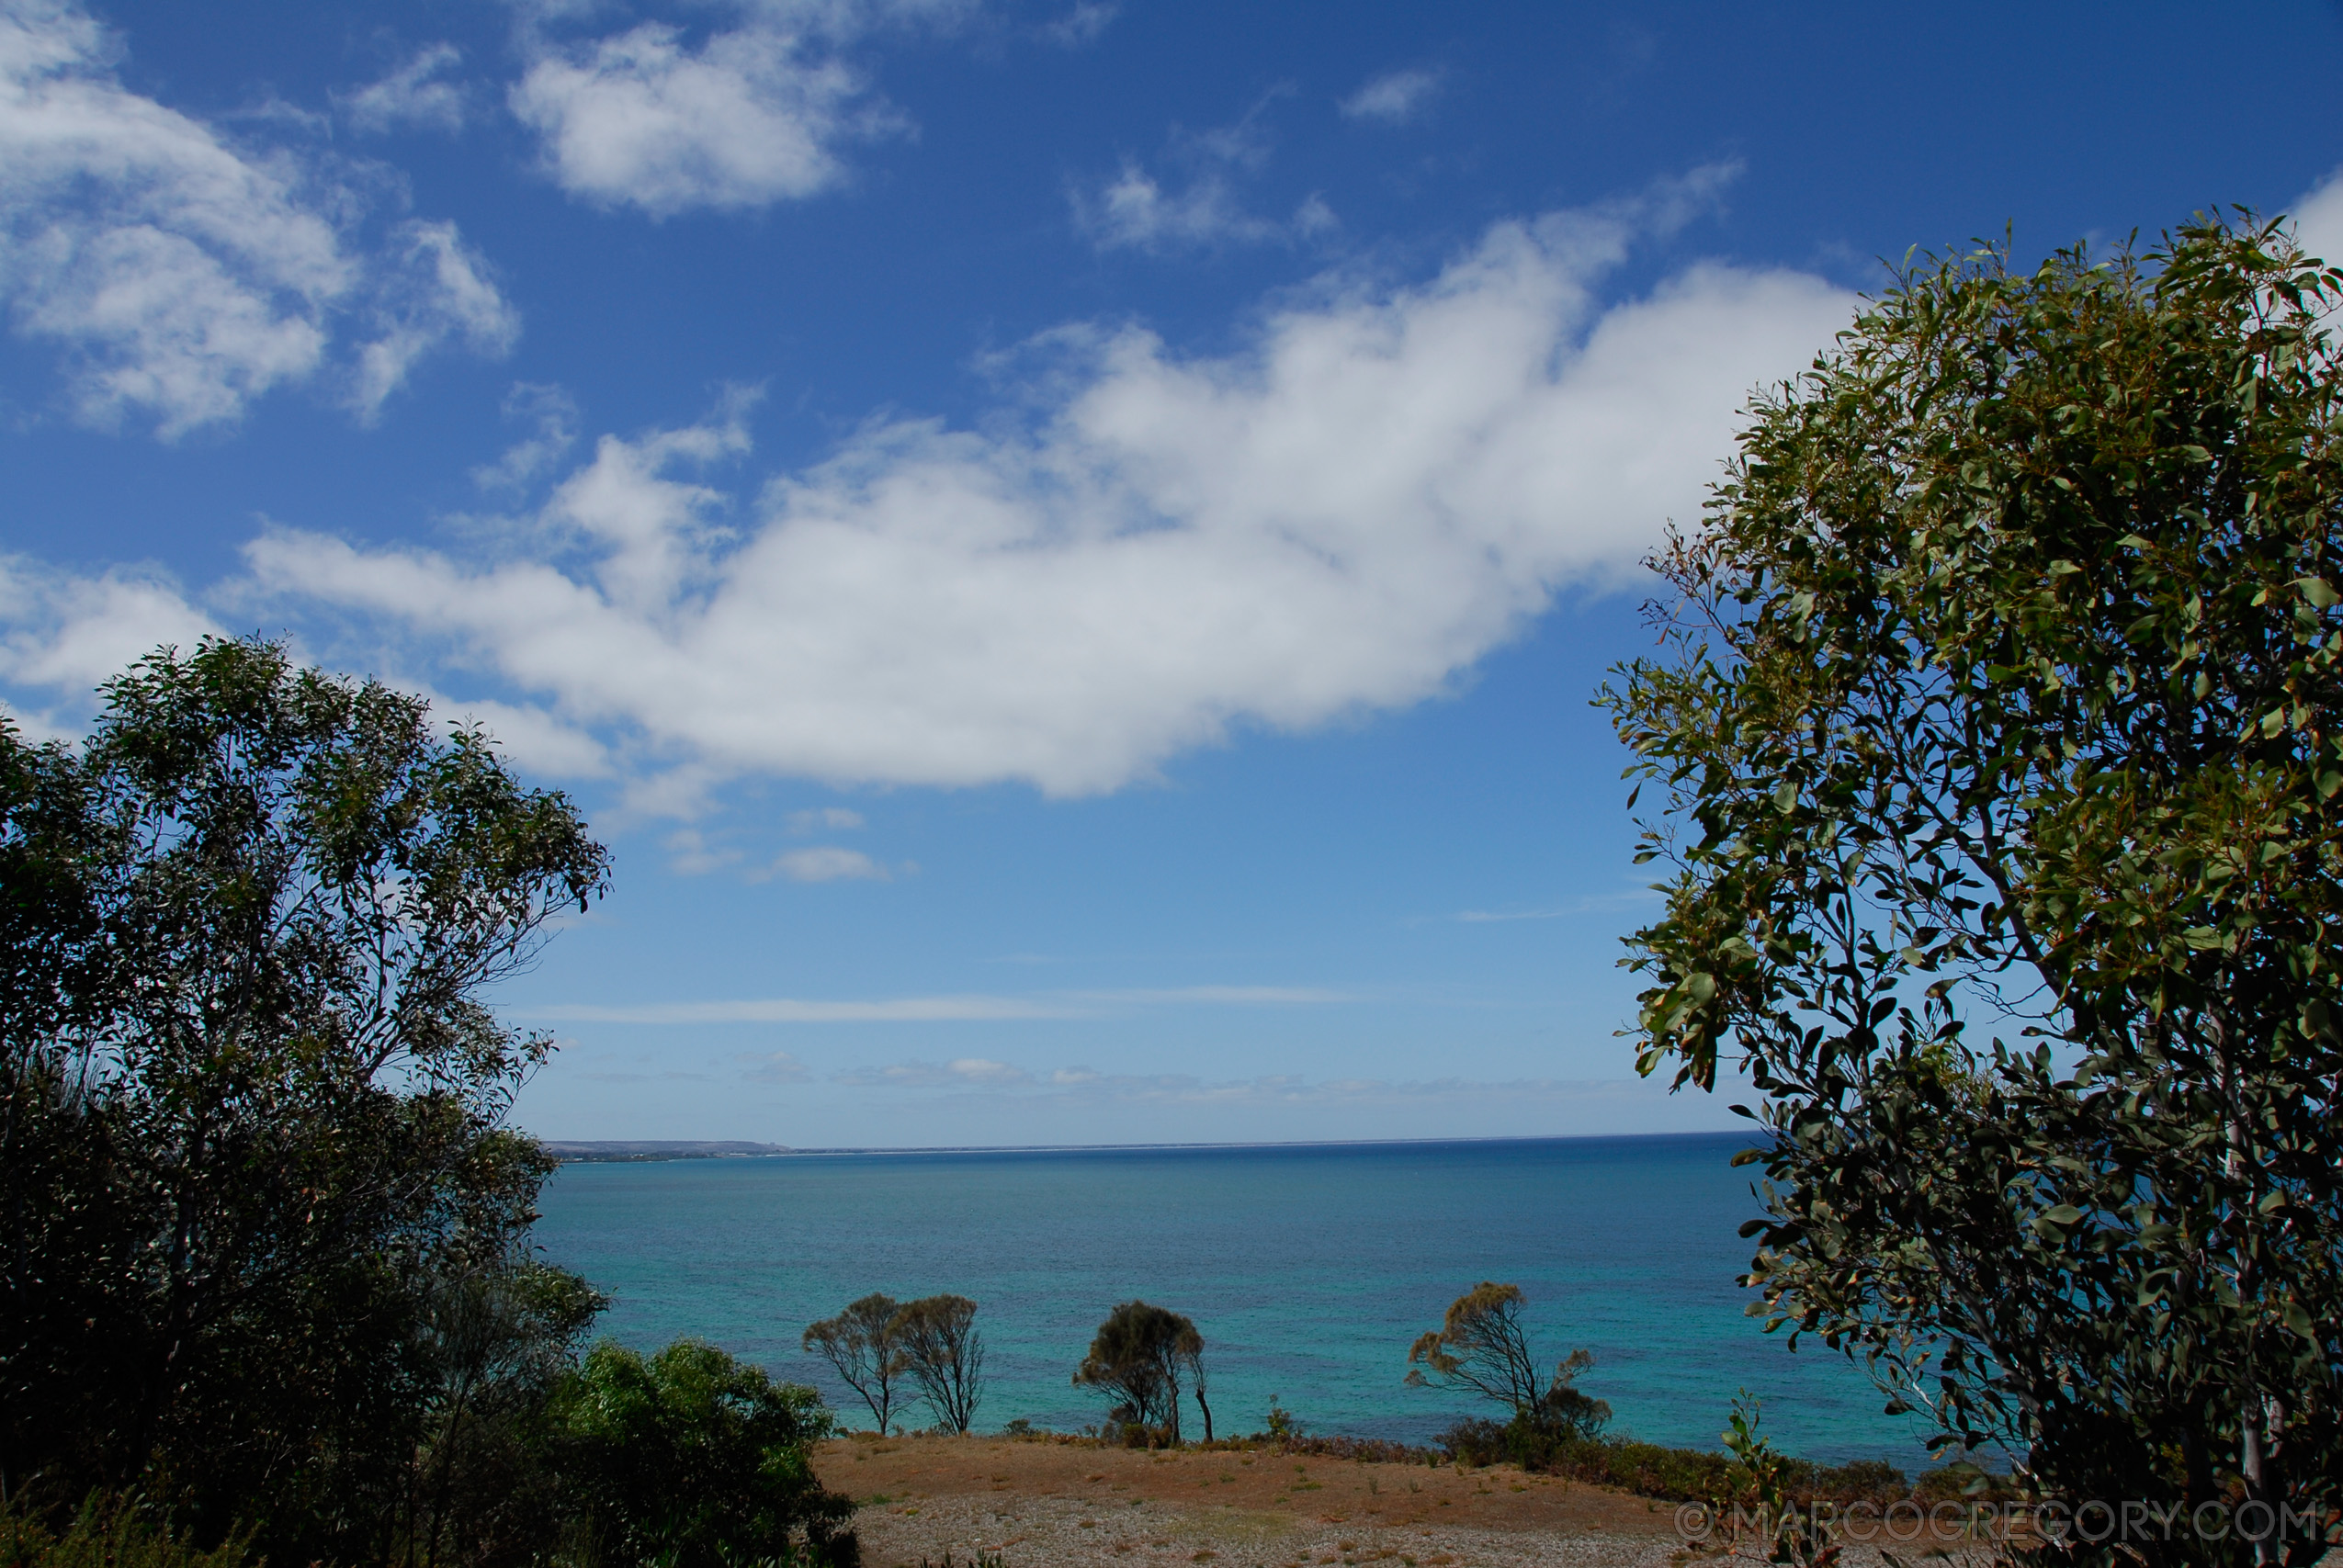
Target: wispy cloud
963, 1008
831, 818
1082, 24
1083, 1085
1228, 995
553, 413
1394, 97
1593, 903
183, 274
1202, 209
829, 862
417, 93
788, 1010
964, 1072
774, 1066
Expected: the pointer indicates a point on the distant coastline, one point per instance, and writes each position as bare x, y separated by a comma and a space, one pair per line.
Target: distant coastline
630, 1150
573, 1151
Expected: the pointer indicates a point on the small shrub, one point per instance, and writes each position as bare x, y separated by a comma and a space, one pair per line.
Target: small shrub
693, 1459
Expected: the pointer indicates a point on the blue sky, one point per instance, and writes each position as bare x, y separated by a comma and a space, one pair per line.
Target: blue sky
1065, 545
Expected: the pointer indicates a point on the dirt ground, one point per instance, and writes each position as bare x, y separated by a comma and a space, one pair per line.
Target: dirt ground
1040, 1504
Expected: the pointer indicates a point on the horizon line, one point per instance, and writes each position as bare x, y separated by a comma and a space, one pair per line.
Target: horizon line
784, 1151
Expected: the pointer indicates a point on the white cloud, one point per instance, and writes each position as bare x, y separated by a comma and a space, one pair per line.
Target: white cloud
68, 633
2318, 219
835, 818
415, 95
750, 116
1395, 97
828, 863
1342, 516
183, 276
532, 737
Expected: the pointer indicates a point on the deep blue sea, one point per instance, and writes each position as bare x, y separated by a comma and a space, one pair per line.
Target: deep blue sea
1308, 1268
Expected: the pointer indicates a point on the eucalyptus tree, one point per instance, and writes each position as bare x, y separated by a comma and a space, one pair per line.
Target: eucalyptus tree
1138, 1355
862, 1347
1481, 1347
1998, 719
251, 1099
939, 1346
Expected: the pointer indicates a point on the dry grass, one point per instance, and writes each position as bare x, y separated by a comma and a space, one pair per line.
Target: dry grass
1043, 1503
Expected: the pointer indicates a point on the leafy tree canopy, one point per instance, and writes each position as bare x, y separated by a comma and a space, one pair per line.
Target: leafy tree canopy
1998, 695
945, 1355
250, 1099
861, 1344
1139, 1355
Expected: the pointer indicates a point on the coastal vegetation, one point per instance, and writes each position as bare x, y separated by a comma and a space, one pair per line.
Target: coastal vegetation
1997, 730
945, 1356
266, 1282
1481, 1348
859, 1344
876, 1342
1998, 725
1137, 1358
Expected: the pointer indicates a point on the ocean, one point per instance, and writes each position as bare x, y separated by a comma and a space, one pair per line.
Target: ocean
1308, 1268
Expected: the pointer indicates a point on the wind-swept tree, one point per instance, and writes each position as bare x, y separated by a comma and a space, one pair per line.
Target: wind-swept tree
2002, 690
1138, 1355
861, 1346
1481, 1348
937, 1342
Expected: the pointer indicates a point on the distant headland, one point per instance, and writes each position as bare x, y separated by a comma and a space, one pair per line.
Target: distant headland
656, 1148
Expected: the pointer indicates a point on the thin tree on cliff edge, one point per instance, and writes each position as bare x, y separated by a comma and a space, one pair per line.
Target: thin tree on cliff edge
2002, 690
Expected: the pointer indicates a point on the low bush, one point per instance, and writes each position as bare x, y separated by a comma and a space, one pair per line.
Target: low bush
107, 1531
693, 1459
1649, 1470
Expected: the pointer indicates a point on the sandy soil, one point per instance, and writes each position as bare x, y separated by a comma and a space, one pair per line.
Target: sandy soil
1040, 1504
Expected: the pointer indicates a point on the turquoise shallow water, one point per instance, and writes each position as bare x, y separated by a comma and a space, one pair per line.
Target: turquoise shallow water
1308, 1269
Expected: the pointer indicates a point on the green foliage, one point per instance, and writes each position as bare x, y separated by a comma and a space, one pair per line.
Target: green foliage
692, 1460
1651, 1470
2003, 684
860, 1344
1760, 1478
496, 1345
106, 1532
939, 1346
1138, 1357
1481, 1348
250, 1102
